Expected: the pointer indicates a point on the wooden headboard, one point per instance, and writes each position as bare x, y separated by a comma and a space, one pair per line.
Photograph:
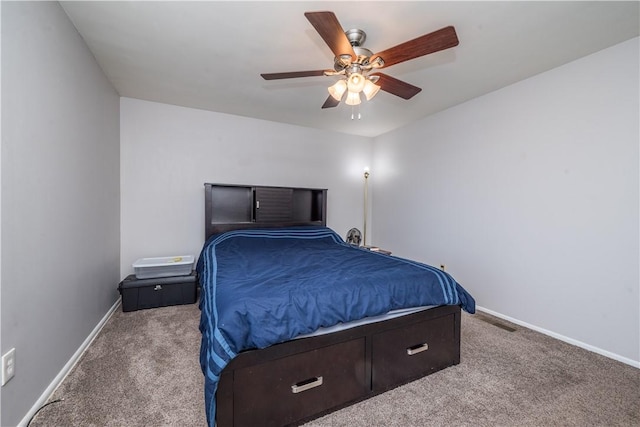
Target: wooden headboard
232, 207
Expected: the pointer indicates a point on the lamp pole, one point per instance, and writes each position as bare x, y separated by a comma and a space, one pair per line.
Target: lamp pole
366, 203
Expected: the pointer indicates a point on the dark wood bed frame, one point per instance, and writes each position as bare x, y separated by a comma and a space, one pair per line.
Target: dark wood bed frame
295, 381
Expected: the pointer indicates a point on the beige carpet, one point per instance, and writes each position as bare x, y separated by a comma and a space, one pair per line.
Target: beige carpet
143, 370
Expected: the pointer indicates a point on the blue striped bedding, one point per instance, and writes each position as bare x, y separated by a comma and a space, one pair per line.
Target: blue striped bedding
260, 287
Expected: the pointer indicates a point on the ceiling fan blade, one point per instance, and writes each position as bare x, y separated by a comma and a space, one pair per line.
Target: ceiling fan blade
327, 25
292, 74
330, 102
396, 87
442, 39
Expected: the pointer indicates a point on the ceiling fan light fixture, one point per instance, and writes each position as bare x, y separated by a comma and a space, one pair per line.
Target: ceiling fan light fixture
356, 82
370, 89
338, 89
353, 98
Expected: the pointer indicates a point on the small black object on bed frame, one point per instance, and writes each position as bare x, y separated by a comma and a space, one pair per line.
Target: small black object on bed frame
298, 380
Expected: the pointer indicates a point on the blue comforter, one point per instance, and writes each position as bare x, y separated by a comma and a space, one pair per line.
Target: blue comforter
260, 287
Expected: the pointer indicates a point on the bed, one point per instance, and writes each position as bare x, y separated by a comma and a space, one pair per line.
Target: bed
296, 323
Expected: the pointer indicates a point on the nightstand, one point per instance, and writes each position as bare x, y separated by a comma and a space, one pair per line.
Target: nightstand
377, 249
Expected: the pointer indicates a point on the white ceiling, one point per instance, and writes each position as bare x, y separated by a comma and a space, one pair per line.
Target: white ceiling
209, 54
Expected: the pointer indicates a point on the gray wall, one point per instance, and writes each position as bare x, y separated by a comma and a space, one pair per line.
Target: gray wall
60, 197
529, 195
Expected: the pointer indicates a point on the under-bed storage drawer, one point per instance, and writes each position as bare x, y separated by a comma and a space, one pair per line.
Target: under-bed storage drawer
288, 389
401, 355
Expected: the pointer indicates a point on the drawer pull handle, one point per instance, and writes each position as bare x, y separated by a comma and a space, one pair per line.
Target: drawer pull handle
417, 349
306, 385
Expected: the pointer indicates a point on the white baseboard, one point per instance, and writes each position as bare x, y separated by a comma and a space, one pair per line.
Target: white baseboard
68, 366
610, 355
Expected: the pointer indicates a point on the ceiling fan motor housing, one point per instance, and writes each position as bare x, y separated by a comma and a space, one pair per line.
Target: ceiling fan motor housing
344, 62
356, 37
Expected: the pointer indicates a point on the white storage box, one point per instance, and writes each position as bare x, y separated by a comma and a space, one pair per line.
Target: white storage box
151, 268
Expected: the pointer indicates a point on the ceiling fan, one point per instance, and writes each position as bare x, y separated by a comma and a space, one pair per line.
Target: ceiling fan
357, 66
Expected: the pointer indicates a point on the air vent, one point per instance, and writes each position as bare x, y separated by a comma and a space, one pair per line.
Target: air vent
495, 322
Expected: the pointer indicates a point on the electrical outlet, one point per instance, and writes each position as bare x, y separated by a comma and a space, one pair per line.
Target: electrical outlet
8, 365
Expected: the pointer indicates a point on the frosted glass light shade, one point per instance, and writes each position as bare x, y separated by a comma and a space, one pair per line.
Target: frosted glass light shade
356, 82
370, 89
338, 89
353, 98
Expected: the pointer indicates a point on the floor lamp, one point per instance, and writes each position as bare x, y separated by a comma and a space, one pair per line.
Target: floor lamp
366, 203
